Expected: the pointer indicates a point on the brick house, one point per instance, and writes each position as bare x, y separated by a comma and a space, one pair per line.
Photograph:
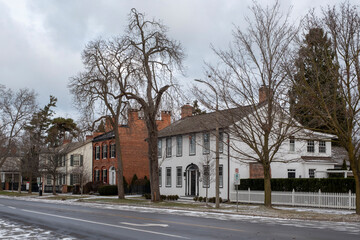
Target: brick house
134, 149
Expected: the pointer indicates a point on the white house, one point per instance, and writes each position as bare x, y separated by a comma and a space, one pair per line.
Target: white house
74, 167
187, 146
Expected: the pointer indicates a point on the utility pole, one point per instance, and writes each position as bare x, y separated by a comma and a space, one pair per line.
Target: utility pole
217, 135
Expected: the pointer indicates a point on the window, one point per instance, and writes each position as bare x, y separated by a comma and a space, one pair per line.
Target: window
221, 176
168, 177
178, 146
113, 150
76, 160
97, 152
104, 175
74, 179
159, 148
322, 147
312, 173
160, 177
104, 151
292, 144
291, 173
192, 144
97, 175
221, 142
48, 180
206, 176
178, 176
206, 143
168, 147
310, 146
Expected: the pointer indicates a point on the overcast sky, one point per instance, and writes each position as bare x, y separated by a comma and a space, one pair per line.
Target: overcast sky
41, 40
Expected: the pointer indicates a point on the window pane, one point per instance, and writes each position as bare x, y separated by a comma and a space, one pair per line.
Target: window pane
206, 143
312, 173
159, 148
168, 147
178, 176
322, 147
291, 173
192, 147
221, 142
310, 146
292, 144
179, 146
221, 178
168, 177
160, 177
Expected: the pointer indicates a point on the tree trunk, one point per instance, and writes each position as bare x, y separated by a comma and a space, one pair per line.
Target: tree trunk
30, 183
19, 186
267, 186
153, 161
54, 186
357, 188
119, 170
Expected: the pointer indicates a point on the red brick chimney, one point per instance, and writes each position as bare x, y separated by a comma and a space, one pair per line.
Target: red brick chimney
88, 137
133, 114
186, 111
264, 92
166, 117
65, 141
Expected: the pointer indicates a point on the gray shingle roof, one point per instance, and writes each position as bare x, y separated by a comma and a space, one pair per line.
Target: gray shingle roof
205, 122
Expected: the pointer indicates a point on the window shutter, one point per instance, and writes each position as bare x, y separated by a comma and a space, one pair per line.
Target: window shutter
71, 179
81, 160
72, 160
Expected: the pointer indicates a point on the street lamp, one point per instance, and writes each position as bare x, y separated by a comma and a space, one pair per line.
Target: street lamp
217, 182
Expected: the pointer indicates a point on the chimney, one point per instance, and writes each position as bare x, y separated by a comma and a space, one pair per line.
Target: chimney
88, 137
66, 141
264, 92
133, 114
186, 111
166, 117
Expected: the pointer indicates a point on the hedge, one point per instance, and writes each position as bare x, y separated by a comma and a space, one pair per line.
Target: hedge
335, 185
108, 190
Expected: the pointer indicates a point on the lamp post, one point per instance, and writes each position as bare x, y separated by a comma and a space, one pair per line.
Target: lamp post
217, 134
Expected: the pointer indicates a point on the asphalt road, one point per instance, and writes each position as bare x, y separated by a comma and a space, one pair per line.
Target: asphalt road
87, 222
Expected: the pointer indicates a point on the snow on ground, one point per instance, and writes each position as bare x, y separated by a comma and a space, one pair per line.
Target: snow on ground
248, 213
18, 231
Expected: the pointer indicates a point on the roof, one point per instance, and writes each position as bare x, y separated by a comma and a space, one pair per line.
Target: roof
317, 159
206, 122
67, 147
104, 136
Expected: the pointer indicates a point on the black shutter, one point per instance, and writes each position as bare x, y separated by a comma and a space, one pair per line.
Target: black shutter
71, 179
72, 160
81, 160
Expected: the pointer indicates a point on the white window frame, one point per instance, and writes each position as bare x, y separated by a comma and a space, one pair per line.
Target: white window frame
310, 146
159, 148
179, 143
312, 172
112, 150
206, 143
168, 177
168, 147
97, 152
104, 153
292, 144
192, 144
322, 147
178, 176
291, 171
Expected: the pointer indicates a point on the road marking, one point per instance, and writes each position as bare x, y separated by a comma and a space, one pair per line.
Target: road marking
145, 224
12, 207
105, 224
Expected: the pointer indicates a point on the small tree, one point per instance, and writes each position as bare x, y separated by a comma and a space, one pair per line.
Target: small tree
207, 172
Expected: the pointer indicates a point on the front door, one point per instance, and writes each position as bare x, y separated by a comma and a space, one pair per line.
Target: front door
193, 182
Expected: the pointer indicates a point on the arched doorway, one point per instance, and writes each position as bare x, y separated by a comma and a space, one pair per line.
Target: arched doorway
112, 176
192, 180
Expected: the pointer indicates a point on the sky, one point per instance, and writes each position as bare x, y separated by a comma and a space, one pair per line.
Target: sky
41, 40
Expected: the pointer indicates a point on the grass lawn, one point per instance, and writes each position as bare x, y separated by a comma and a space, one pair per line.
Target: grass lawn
16, 194
64, 197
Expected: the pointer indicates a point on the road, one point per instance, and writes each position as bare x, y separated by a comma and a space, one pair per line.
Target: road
86, 221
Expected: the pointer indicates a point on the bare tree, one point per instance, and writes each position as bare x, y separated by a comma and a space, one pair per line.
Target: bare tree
207, 172
155, 57
338, 108
83, 176
16, 109
250, 79
98, 90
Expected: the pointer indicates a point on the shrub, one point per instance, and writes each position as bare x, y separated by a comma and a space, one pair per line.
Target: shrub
107, 190
195, 198
162, 197
338, 185
88, 188
147, 196
200, 199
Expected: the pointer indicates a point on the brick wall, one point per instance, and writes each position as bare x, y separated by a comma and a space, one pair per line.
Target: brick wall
133, 146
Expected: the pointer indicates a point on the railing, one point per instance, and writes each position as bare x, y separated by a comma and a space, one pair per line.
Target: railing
304, 199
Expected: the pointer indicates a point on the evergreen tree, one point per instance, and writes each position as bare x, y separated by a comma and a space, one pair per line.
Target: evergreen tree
315, 68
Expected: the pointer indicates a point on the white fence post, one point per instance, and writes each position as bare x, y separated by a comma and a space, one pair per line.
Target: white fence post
319, 198
349, 199
293, 197
249, 199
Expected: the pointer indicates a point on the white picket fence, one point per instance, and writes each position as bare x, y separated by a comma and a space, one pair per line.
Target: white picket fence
304, 199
